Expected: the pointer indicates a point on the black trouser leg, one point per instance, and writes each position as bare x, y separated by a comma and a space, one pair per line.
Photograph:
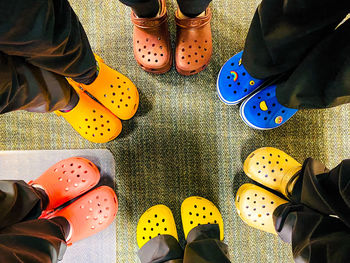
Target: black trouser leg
19, 201
27, 87
193, 8
319, 228
23, 238
39, 241
284, 34
203, 246
315, 238
143, 8
327, 191
161, 249
41, 42
47, 34
321, 80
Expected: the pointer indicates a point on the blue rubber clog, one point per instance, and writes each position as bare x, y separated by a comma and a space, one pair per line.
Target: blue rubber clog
262, 110
234, 83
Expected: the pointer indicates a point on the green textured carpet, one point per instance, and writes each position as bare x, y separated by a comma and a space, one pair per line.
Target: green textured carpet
183, 141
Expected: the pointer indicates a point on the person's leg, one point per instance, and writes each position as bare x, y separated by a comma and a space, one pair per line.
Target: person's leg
310, 184
39, 241
314, 237
283, 32
143, 8
193, 8
316, 220
20, 201
27, 87
321, 80
23, 238
48, 35
204, 245
326, 191
161, 249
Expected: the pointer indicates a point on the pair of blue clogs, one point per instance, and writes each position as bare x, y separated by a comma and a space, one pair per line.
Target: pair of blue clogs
260, 108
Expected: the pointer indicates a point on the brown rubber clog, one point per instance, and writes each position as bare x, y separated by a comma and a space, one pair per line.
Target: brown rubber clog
193, 43
152, 48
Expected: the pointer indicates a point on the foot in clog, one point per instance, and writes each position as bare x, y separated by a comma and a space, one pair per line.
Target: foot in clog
113, 90
67, 180
272, 168
197, 211
234, 83
157, 220
256, 205
152, 48
91, 120
193, 43
90, 214
262, 110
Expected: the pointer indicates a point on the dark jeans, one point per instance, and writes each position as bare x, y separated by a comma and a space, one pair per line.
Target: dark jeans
299, 42
41, 43
203, 246
317, 221
150, 8
23, 237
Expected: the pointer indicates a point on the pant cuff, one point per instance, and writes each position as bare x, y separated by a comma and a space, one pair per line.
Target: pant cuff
163, 248
209, 231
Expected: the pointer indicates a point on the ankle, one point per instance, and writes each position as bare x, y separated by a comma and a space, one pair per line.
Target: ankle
187, 16
150, 10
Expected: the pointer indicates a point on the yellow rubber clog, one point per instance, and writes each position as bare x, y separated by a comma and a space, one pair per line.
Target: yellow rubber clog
92, 121
157, 220
114, 90
197, 211
255, 206
272, 168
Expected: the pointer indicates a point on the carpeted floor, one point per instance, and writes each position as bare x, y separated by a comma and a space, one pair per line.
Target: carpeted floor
184, 141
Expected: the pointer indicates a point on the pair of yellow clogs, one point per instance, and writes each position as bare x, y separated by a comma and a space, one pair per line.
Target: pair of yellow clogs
115, 97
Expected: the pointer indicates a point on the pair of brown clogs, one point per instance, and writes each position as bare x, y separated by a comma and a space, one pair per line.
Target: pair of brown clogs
152, 47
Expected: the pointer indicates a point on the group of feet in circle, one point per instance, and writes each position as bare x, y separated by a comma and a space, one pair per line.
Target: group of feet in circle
117, 98
94, 208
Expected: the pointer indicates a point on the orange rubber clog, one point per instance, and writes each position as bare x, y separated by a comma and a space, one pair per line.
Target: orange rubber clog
67, 180
193, 43
113, 90
152, 48
90, 214
91, 120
